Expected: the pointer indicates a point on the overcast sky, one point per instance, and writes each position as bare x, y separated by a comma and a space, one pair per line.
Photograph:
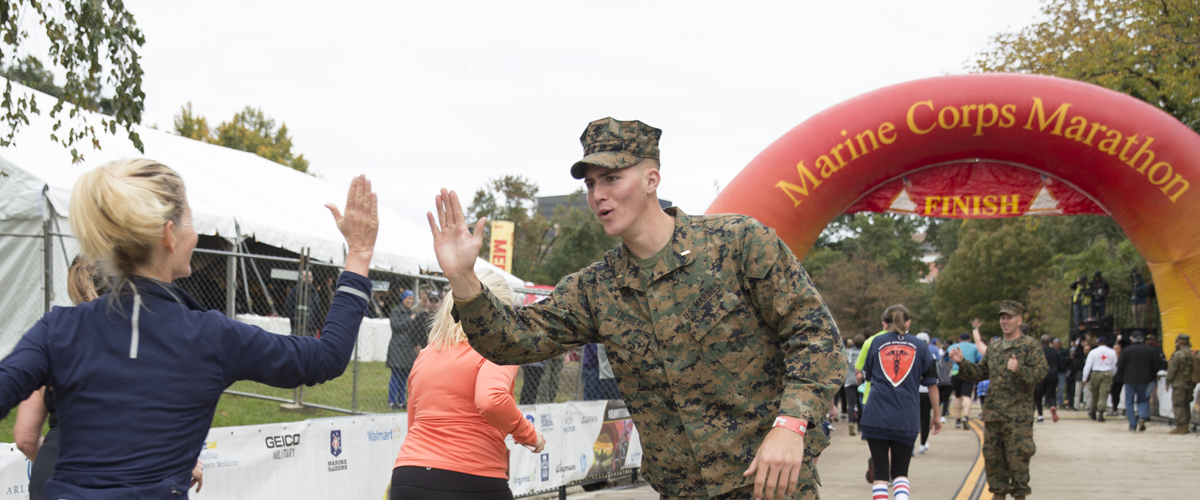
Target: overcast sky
420, 95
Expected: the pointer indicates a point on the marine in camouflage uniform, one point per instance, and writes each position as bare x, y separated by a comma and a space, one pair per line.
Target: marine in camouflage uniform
1179, 379
1008, 412
724, 333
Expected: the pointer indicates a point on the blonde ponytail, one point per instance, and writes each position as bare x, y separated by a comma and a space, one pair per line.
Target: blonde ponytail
119, 209
85, 282
446, 332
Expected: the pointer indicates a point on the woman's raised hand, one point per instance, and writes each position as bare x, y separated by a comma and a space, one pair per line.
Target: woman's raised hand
359, 225
455, 246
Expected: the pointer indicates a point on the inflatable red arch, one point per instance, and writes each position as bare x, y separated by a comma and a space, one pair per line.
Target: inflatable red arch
1059, 146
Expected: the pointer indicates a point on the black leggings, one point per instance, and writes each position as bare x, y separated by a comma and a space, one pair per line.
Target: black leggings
422, 483
944, 393
854, 403
901, 455
926, 409
1044, 390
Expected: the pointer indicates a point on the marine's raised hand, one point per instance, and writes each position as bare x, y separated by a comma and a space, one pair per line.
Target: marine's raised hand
456, 247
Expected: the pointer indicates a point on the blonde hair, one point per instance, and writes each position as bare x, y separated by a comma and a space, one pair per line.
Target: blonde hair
85, 281
119, 209
446, 332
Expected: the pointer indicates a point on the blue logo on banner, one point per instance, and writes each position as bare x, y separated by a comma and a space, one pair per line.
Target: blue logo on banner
335, 442
583, 463
545, 466
530, 419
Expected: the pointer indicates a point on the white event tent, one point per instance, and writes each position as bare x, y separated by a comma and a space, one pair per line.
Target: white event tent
232, 194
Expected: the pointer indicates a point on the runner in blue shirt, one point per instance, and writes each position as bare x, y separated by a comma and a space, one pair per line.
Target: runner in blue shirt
962, 388
897, 365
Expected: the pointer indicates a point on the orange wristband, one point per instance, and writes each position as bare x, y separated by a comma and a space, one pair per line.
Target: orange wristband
791, 423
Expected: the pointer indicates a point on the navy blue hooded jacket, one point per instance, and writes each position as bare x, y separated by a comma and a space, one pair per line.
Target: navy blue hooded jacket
894, 409
136, 388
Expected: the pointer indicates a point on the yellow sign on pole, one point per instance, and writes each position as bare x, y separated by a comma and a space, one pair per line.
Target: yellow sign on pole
502, 245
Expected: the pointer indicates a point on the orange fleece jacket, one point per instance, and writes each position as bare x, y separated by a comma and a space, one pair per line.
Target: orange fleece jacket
460, 408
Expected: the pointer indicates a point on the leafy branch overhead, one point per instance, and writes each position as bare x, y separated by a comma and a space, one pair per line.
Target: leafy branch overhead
95, 45
250, 130
1149, 49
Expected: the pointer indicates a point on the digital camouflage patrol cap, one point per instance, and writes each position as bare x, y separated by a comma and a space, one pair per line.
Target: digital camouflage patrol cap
616, 144
1012, 308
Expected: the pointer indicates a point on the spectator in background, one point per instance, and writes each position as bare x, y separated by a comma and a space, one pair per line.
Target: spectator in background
1152, 343
293, 309
459, 415
598, 379
1098, 374
541, 381
401, 350
1138, 365
851, 404
1114, 394
1045, 388
1064, 364
1099, 296
927, 403
1081, 297
945, 383
1139, 299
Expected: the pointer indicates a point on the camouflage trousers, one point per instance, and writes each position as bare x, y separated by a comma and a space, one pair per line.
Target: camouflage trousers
1101, 384
1007, 448
1181, 399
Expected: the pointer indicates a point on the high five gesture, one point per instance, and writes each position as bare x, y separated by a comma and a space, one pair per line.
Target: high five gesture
456, 247
359, 225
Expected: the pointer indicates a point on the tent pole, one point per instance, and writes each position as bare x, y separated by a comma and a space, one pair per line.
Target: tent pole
47, 251
231, 283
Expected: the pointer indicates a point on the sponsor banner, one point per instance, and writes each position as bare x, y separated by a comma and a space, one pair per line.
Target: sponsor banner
976, 190
14, 473
501, 254
352, 457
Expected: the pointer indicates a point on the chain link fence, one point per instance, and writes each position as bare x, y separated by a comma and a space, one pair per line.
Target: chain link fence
34, 266
288, 294
255, 287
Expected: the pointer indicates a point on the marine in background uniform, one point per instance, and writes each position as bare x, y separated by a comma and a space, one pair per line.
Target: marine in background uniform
1179, 379
711, 340
1014, 368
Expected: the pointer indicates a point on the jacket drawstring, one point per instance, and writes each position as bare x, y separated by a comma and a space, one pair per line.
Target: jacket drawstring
137, 309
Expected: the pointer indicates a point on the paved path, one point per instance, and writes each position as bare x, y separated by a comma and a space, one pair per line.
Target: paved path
1076, 458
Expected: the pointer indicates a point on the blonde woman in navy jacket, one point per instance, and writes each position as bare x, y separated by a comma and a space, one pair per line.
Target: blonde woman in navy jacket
137, 372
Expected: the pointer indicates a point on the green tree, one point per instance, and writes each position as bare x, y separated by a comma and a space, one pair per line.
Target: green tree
578, 241
995, 260
545, 250
883, 238
250, 130
858, 289
513, 198
1145, 48
95, 45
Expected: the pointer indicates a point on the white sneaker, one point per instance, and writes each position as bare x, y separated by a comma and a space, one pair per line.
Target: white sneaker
923, 449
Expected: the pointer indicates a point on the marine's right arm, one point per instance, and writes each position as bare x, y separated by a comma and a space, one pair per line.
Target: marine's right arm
973, 372
508, 336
